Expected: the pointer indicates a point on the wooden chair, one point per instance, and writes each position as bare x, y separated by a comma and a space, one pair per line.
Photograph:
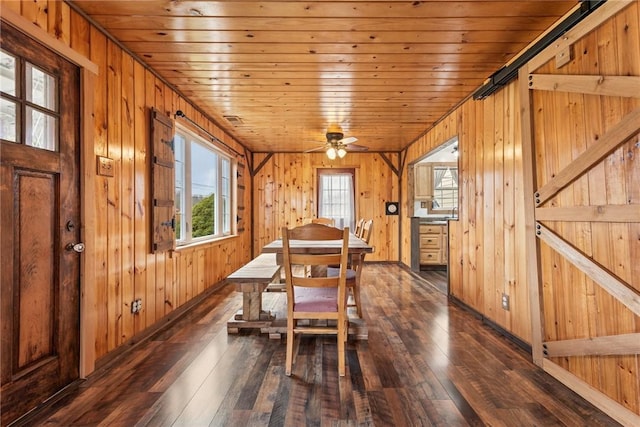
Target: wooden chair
355, 270
324, 221
358, 229
316, 299
365, 233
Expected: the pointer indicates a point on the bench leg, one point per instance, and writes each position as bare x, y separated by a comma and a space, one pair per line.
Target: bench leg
252, 302
251, 305
252, 315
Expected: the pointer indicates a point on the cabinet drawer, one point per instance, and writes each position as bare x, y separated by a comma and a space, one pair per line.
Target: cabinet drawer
429, 257
430, 229
430, 241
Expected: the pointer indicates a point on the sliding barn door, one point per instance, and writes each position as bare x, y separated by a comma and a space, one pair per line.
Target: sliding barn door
40, 224
581, 150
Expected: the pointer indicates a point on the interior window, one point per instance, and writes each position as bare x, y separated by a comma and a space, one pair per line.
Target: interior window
336, 196
203, 189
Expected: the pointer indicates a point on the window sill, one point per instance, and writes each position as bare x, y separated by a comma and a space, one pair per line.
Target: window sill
193, 245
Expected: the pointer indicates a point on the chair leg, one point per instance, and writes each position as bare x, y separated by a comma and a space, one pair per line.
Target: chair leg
341, 336
289, 353
356, 298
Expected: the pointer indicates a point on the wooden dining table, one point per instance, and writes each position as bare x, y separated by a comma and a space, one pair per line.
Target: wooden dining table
357, 246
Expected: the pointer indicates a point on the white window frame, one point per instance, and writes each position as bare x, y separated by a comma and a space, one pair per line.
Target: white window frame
346, 207
224, 196
454, 190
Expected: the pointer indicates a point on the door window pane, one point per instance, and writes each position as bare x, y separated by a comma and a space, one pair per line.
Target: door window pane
41, 130
7, 74
29, 104
42, 88
8, 121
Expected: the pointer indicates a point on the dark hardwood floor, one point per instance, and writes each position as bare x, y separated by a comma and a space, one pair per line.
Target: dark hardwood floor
426, 362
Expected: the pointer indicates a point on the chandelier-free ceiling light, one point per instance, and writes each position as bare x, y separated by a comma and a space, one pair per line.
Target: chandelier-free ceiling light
336, 150
337, 145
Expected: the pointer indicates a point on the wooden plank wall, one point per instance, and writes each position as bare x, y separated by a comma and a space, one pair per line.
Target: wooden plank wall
486, 259
123, 94
486, 244
285, 195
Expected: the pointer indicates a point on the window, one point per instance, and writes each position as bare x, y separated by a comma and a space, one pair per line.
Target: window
445, 188
202, 189
336, 196
28, 104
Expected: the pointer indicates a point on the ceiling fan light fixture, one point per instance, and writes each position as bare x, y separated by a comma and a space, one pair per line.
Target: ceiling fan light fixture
331, 153
342, 152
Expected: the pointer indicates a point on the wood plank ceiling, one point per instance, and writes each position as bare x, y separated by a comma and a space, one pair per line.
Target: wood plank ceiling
385, 71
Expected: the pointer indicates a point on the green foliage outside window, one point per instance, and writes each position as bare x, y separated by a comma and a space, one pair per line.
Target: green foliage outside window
202, 216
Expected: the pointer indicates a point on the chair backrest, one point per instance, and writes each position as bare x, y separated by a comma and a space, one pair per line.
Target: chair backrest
358, 230
367, 227
324, 221
292, 258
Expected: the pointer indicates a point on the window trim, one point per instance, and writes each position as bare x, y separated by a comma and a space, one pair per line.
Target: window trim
333, 171
194, 136
440, 210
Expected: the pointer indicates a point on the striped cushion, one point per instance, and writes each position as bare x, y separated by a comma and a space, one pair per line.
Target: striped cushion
316, 299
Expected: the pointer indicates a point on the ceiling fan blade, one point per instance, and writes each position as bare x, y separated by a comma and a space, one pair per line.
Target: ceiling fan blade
348, 140
322, 148
356, 147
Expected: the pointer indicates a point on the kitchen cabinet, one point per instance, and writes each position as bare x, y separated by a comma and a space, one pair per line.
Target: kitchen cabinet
422, 186
433, 244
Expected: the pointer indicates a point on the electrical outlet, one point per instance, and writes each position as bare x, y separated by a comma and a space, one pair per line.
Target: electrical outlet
136, 306
505, 302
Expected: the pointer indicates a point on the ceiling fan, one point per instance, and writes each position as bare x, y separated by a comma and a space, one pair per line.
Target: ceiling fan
337, 145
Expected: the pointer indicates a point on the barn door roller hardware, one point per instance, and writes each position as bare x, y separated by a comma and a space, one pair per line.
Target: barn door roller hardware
507, 73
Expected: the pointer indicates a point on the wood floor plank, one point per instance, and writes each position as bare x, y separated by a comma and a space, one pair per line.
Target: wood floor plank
427, 361
380, 409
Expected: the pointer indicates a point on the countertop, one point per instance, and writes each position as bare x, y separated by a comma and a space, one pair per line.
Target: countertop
436, 220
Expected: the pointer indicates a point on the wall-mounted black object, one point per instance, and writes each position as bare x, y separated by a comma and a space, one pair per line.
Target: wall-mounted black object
391, 208
504, 75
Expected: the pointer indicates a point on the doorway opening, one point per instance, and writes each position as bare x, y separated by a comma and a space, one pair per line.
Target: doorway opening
434, 202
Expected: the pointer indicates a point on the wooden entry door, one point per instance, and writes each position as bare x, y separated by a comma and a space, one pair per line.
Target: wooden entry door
40, 223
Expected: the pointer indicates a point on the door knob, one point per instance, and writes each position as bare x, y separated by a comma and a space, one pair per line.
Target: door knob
78, 247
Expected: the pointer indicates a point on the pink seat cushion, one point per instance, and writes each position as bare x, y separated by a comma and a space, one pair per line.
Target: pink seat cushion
316, 299
332, 271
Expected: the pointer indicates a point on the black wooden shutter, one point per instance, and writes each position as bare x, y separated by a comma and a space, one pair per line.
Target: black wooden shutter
162, 183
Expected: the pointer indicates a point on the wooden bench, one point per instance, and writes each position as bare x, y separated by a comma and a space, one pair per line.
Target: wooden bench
252, 279
262, 274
